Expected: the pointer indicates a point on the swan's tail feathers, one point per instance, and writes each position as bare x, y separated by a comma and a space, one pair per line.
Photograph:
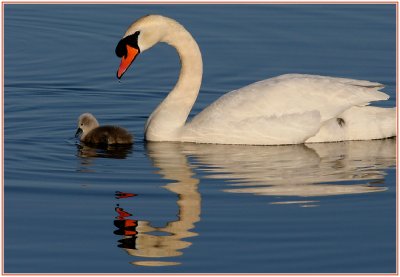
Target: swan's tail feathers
369, 93
361, 83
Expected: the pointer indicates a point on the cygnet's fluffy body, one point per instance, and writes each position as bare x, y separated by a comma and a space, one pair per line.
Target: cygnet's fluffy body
91, 132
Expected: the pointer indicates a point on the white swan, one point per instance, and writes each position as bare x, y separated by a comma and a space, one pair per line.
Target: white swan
287, 109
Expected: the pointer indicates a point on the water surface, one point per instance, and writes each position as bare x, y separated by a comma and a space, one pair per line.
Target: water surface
173, 207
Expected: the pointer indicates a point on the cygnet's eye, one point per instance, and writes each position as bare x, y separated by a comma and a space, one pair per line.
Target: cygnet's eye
81, 124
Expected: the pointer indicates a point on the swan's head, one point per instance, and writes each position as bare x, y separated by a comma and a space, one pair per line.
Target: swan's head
140, 36
86, 123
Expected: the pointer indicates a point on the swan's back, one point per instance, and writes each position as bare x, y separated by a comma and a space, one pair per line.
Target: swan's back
294, 93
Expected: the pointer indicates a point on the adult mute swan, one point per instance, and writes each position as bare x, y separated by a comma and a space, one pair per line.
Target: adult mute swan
287, 109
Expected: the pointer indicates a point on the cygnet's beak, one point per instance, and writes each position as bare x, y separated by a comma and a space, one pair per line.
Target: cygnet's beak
78, 133
127, 59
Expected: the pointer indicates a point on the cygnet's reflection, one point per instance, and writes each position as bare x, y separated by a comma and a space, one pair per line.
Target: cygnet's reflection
104, 151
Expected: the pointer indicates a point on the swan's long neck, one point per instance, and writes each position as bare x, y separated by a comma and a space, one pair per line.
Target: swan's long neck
165, 123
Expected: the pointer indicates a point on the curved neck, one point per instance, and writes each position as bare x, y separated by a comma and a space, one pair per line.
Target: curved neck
167, 119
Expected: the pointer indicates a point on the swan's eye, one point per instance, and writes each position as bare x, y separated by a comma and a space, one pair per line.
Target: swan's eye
121, 49
131, 40
81, 124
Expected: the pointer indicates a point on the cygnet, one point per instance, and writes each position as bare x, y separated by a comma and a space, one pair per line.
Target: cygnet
91, 132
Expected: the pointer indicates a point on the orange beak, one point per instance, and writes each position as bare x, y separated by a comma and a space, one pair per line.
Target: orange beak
127, 60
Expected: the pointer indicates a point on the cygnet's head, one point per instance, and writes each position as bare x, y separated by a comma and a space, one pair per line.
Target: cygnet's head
86, 123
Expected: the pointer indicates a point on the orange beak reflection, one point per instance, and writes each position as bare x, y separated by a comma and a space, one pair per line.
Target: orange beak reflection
127, 60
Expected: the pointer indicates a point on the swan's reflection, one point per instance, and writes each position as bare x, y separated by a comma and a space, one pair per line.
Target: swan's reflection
313, 170
168, 241
310, 170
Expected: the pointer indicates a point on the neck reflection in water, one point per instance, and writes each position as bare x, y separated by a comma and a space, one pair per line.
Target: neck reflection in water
148, 241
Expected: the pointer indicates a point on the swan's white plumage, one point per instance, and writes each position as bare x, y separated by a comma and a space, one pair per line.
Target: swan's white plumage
294, 93
288, 109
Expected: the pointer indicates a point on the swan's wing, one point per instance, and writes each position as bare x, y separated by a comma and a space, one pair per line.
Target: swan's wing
292, 93
263, 130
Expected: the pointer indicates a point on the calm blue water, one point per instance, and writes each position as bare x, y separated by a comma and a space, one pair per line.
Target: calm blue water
322, 208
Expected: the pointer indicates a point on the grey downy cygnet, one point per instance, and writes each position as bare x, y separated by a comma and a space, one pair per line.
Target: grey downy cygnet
91, 132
